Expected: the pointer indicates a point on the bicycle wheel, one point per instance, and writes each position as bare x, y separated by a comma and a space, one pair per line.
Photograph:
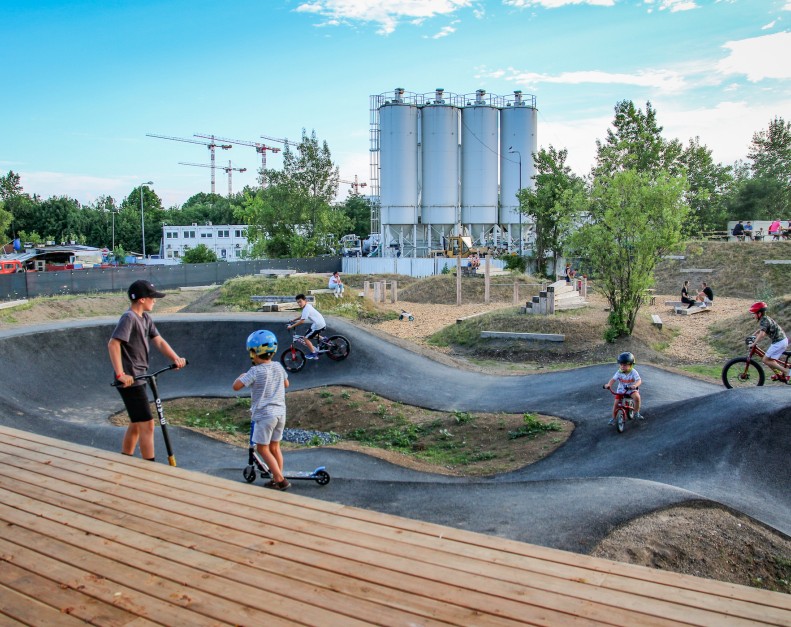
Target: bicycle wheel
292, 359
741, 372
338, 347
620, 420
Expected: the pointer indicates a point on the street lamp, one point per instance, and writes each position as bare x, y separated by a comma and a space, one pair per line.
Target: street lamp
143, 217
511, 150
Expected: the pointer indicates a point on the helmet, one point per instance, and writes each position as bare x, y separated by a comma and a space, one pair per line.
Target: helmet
760, 306
262, 343
626, 358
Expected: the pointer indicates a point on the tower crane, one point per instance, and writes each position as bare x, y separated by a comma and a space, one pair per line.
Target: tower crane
227, 169
280, 141
356, 185
259, 148
210, 145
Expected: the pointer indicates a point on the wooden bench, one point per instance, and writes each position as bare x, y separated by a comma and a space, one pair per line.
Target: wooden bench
533, 337
691, 311
650, 294
656, 321
279, 303
325, 290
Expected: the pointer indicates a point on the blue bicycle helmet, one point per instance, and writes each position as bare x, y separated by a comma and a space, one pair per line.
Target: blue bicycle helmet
261, 343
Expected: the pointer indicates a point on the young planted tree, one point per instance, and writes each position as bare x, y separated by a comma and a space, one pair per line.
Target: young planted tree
199, 254
635, 218
552, 204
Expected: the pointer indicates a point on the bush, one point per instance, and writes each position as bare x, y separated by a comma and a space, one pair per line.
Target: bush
515, 263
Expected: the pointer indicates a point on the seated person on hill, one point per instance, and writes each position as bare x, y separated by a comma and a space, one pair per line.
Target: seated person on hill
336, 284
748, 230
775, 229
705, 297
685, 299
738, 231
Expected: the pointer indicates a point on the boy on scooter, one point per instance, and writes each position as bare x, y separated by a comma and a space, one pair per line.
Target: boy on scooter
128, 347
269, 381
627, 379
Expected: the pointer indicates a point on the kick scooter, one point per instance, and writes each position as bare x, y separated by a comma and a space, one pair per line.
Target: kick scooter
256, 462
152, 381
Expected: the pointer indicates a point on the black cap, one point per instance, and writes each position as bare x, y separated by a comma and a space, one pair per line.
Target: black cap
143, 289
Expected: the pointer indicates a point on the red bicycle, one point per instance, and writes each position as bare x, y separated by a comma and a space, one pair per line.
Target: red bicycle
747, 371
624, 410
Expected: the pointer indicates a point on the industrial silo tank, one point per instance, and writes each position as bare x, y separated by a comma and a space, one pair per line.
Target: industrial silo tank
479, 161
440, 156
398, 158
518, 140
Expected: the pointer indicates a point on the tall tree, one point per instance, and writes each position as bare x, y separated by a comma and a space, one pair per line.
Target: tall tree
10, 185
551, 204
131, 221
358, 210
770, 154
709, 184
635, 219
635, 143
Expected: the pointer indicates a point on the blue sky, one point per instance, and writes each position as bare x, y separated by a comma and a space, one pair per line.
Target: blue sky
84, 82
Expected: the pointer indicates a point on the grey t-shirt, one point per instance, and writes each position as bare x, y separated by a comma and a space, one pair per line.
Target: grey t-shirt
135, 332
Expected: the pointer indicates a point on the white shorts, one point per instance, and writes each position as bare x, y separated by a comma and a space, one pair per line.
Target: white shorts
268, 430
775, 351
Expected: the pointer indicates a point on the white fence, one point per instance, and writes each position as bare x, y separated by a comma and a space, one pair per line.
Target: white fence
410, 266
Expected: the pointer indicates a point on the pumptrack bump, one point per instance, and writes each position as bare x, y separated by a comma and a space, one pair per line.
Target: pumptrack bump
700, 441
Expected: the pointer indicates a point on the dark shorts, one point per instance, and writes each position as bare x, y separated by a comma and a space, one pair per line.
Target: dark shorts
315, 333
136, 402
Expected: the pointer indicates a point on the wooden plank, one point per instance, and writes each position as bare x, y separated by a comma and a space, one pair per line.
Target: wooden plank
691, 311
532, 337
12, 303
20, 609
702, 270
404, 563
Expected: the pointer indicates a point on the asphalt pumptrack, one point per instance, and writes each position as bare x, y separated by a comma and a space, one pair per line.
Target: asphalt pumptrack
700, 442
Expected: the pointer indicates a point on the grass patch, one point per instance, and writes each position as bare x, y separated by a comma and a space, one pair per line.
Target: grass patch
709, 371
533, 427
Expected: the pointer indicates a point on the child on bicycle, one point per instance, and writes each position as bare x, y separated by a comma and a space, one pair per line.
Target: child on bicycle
779, 342
628, 381
269, 381
316, 320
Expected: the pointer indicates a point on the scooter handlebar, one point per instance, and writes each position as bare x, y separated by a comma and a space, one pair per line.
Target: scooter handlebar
151, 374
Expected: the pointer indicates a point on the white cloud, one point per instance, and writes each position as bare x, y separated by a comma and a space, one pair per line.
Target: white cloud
769, 26
555, 4
665, 80
445, 31
386, 14
759, 58
677, 5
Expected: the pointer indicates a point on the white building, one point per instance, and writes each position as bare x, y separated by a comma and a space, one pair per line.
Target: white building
228, 241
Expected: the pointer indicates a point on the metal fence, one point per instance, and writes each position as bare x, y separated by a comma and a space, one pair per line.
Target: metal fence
33, 284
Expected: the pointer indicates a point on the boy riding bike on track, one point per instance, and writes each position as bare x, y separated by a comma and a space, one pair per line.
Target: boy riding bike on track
628, 380
779, 342
316, 320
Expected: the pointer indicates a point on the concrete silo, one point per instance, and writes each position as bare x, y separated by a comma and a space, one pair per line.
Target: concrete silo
398, 170
479, 166
439, 202
518, 142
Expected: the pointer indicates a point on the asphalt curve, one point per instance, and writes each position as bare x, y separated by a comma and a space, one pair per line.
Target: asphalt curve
700, 442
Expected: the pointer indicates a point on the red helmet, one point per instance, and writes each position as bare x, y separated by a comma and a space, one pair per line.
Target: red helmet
760, 306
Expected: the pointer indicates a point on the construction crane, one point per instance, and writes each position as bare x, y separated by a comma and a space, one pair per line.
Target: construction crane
259, 148
280, 141
356, 185
228, 171
210, 145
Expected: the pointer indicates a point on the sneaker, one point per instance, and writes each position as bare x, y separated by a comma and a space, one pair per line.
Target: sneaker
312, 356
777, 377
639, 416
611, 421
278, 485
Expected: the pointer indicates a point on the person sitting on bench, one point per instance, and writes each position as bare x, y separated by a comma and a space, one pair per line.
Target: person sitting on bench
685, 299
705, 297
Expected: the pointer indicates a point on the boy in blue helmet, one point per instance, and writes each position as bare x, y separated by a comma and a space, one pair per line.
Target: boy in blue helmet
269, 381
627, 378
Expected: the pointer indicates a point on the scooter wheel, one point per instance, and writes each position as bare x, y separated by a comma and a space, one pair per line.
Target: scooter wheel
322, 477
249, 474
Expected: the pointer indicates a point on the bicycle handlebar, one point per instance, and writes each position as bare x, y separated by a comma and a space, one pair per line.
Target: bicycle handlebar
151, 375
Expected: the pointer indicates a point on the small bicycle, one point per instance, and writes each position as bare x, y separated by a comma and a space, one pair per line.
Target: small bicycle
336, 347
624, 410
748, 371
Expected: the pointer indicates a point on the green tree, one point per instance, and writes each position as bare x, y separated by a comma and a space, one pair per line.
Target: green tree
199, 254
129, 224
358, 210
635, 218
10, 185
635, 143
552, 204
6, 218
293, 216
709, 185
770, 156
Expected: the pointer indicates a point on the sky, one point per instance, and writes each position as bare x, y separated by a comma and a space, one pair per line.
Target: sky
85, 82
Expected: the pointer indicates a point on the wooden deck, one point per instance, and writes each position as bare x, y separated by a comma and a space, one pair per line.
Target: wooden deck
91, 536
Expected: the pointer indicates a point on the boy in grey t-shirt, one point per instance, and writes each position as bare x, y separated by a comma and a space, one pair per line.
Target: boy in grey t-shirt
269, 381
